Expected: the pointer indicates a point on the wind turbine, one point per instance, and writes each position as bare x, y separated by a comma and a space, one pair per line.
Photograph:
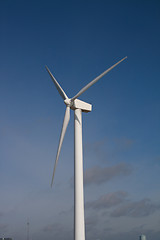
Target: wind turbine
78, 106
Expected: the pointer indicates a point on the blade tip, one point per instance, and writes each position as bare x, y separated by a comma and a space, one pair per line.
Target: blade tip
46, 67
124, 58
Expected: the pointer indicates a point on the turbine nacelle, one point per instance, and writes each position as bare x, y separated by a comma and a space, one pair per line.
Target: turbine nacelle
78, 104
85, 107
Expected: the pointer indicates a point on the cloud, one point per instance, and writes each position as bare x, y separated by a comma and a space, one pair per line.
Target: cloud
57, 231
123, 143
95, 147
140, 208
131, 235
3, 227
108, 147
1, 214
98, 175
108, 200
51, 227
91, 222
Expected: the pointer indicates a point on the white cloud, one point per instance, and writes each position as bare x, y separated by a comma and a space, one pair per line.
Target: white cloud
108, 200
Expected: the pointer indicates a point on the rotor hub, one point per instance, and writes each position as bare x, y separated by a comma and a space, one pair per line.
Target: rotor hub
67, 101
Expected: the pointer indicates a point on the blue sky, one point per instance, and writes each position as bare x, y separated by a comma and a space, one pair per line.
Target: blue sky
78, 40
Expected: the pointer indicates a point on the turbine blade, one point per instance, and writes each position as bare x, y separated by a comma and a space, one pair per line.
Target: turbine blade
64, 128
59, 88
95, 80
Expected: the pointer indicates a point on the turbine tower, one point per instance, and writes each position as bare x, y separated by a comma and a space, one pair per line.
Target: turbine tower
78, 107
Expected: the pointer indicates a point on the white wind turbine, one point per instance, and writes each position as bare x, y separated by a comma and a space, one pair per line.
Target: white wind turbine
78, 106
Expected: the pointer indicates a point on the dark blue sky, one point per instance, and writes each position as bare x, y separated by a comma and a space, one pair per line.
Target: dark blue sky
78, 40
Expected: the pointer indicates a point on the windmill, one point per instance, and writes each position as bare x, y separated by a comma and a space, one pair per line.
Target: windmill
78, 106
